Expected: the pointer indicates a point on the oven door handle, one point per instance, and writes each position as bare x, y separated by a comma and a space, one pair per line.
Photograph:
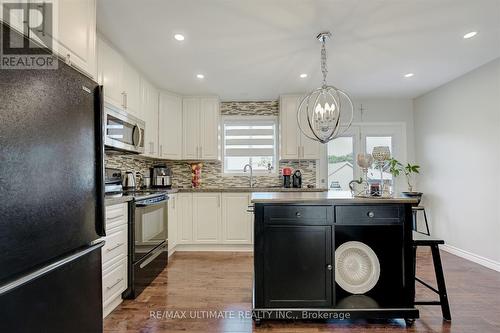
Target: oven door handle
139, 205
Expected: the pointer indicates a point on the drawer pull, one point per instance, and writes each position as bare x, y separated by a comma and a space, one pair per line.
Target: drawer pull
329, 267
114, 284
298, 214
371, 214
114, 247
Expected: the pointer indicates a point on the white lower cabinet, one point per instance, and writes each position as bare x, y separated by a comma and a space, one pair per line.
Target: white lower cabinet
210, 219
114, 257
236, 221
172, 222
185, 218
206, 218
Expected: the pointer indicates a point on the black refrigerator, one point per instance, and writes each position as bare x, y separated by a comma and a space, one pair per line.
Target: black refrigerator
51, 201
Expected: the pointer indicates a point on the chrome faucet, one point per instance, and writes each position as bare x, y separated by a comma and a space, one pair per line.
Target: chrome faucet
248, 166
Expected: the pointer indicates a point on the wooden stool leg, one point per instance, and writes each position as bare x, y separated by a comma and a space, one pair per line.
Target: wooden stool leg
426, 224
438, 269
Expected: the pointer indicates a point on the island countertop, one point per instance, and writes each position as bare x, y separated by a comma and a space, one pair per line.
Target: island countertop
324, 197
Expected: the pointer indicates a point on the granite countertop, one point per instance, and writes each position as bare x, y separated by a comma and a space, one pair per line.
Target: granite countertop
249, 189
115, 199
330, 196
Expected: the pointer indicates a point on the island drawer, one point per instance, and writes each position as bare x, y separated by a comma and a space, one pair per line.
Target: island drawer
369, 214
298, 214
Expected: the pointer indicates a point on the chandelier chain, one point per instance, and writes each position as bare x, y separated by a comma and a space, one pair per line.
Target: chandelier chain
324, 69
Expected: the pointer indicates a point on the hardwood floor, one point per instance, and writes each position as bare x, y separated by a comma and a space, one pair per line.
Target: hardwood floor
209, 281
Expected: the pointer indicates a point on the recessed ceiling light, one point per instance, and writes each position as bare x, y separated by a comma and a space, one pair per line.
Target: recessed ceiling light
303, 75
200, 76
409, 75
470, 34
179, 37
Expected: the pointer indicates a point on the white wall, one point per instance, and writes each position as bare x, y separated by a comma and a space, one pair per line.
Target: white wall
458, 147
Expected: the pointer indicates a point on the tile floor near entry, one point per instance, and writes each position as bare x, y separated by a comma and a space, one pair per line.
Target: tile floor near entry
223, 281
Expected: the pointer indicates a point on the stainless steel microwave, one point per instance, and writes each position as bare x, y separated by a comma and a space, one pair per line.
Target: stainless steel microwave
122, 130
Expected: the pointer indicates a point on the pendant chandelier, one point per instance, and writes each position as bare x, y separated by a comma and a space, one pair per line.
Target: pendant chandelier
324, 107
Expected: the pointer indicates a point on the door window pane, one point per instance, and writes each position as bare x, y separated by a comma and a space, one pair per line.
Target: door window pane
374, 141
340, 163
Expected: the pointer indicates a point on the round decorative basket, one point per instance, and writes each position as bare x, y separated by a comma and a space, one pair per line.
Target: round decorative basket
357, 268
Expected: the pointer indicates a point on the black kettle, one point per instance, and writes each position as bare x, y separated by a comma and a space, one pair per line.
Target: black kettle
297, 179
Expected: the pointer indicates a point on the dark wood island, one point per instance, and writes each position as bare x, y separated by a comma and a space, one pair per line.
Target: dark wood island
328, 255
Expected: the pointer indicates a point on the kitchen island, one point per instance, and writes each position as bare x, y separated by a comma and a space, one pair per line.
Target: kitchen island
327, 255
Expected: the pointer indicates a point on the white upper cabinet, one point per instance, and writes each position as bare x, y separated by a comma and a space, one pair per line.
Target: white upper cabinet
209, 128
77, 34
149, 112
190, 128
121, 81
110, 73
293, 144
73, 30
200, 122
170, 126
131, 90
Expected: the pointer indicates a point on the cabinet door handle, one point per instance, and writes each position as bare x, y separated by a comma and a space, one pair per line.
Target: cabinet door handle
298, 214
173, 202
123, 100
329, 267
201, 151
371, 214
114, 284
218, 201
114, 247
161, 150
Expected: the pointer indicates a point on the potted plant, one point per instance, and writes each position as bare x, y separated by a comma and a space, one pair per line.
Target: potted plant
396, 168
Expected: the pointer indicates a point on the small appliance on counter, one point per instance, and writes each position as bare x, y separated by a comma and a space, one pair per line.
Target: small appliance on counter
112, 181
129, 181
287, 172
196, 174
161, 176
297, 179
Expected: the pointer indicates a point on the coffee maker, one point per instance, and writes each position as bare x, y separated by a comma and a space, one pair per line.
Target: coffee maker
161, 176
287, 172
297, 179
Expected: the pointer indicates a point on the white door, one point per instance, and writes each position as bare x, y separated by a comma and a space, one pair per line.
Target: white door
339, 154
191, 125
132, 89
289, 132
206, 217
184, 218
172, 222
341, 160
170, 126
77, 33
236, 221
209, 128
110, 73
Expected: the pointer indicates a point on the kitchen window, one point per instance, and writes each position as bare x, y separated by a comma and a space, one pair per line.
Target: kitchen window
249, 140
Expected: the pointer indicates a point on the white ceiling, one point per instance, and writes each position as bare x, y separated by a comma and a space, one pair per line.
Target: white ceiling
255, 50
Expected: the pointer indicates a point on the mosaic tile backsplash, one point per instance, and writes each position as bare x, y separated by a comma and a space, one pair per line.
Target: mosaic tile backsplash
212, 176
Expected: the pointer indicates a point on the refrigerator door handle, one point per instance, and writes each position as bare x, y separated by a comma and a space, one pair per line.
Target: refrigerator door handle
47, 269
99, 142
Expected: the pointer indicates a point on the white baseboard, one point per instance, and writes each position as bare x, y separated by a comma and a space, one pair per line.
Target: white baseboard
211, 247
491, 264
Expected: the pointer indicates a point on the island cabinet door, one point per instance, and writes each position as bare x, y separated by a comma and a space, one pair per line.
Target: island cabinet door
298, 266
